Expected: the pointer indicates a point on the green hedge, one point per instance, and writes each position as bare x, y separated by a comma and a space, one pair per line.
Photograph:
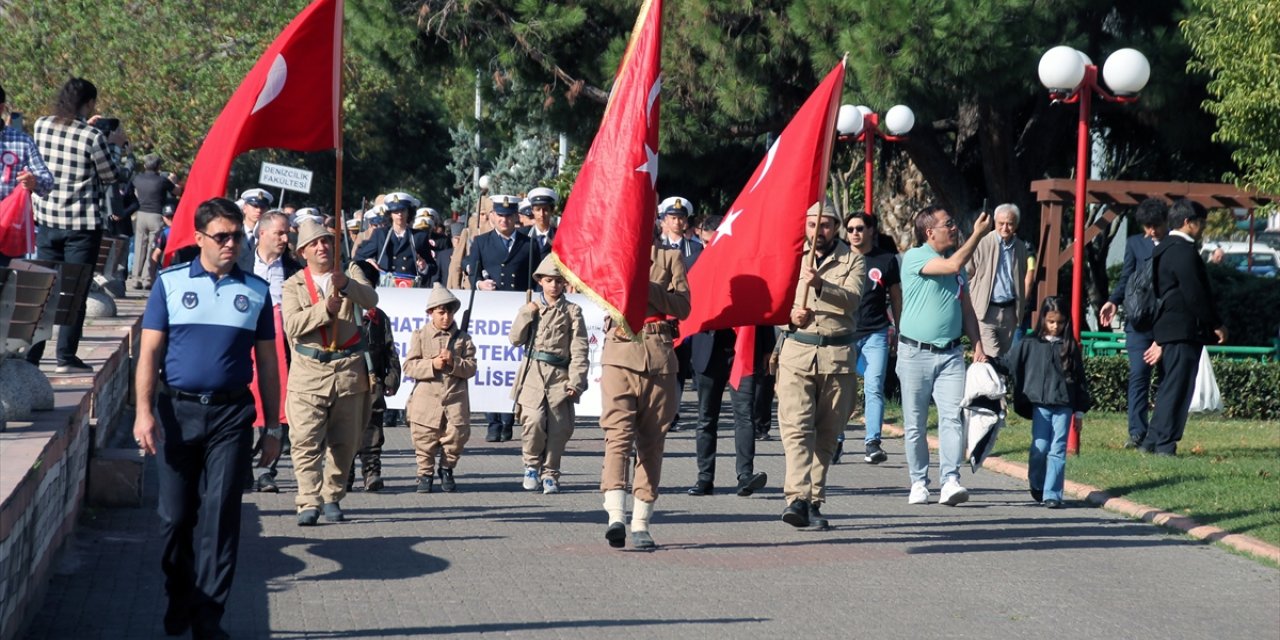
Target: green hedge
1250, 389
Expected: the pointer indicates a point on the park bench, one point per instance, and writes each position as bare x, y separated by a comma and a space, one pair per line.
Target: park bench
30, 299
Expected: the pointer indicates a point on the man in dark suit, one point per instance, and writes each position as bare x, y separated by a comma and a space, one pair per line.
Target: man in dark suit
1152, 216
1186, 320
499, 261
542, 203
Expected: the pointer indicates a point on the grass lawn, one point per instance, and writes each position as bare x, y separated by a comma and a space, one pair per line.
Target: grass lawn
1227, 472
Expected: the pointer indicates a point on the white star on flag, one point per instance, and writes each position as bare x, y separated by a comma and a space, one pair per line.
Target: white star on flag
726, 227
650, 166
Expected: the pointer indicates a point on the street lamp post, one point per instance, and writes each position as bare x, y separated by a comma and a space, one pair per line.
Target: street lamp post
860, 124
1071, 77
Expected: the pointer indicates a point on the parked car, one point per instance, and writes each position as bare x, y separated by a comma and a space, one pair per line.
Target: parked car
1265, 263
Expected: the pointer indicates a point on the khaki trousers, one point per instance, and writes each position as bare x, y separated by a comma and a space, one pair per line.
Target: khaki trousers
324, 433
812, 411
638, 409
430, 439
547, 431
997, 326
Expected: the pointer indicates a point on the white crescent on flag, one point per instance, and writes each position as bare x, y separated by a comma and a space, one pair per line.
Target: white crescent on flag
768, 162
274, 85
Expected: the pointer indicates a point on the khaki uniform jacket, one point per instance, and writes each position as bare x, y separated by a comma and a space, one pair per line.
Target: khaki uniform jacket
834, 314
439, 392
982, 274
669, 296
561, 332
303, 322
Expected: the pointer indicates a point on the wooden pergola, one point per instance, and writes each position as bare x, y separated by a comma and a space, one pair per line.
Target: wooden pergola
1056, 195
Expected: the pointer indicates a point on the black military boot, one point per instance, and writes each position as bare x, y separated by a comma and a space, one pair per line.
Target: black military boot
446, 480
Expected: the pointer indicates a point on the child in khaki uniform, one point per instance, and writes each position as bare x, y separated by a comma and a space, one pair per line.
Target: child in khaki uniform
441, 359
552, 379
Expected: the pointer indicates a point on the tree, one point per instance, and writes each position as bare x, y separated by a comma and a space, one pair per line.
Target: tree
1237, 42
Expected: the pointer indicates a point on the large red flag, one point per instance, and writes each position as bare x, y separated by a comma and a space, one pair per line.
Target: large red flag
606, 230
748, 274
289, 100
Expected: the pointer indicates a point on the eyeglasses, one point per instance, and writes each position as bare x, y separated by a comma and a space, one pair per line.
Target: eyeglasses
221, 239
949, 224
853, 230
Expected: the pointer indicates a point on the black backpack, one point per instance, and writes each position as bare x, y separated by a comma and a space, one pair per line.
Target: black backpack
384, 362
1140, 301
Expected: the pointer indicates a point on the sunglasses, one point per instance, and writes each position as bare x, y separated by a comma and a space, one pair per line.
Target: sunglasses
861, 229
221, 239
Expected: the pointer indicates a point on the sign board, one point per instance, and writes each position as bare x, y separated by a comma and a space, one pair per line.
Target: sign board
498, 362
288, 178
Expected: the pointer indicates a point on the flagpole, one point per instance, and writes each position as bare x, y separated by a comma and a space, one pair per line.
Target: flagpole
337, 196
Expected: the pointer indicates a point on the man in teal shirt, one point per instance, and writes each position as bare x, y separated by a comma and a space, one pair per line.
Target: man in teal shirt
935, 311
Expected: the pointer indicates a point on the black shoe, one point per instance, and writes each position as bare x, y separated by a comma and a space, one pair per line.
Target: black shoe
748, 485
642, 540
839, 452
875, 455
447, 484
616, 534
267, 484
425, 483
493, 436
797, 513
506, 434
1133, 442
1037, 495
1053, 504
675, 427
308, 517
177, 617
763, 436
373, 482
73, 365
332, 512
701, 488
815, 517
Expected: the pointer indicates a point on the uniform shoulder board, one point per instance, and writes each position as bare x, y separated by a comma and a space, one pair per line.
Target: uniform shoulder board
176, 267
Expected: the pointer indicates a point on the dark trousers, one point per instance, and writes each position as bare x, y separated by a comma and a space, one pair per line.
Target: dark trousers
753, 402
710, 398
73, 247
1136, 345
1179, 362
371, 441
201, 469
500, 424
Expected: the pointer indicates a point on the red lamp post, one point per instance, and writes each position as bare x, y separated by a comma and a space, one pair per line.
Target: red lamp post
860, 124
1072, 78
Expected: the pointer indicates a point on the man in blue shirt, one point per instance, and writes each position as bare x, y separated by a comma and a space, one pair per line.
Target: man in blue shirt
20, 163
201, 323
935, 311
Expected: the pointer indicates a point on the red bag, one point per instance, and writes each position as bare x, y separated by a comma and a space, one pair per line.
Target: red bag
17, 228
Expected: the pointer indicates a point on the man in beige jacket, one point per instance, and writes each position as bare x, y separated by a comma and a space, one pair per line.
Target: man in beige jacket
552, 378
638, 383
817, 379
999, 281
328, 397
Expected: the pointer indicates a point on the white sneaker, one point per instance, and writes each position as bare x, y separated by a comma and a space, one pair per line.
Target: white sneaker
953, 494
530, 479
919, 493
550, 485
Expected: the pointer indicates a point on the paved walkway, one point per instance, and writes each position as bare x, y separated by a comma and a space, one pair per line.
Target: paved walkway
492, 560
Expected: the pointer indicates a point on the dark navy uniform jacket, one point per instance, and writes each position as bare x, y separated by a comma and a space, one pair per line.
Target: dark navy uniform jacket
509, 269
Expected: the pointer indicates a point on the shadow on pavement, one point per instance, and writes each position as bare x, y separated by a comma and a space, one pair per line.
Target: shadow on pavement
507, 627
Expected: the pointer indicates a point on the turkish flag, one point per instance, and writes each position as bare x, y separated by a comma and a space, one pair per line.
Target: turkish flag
748, 274
606, 230
289, 100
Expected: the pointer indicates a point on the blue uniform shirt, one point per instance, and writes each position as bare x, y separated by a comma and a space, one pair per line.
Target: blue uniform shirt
211, 325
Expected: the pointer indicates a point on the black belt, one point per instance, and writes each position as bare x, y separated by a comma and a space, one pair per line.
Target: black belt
842, 340
1005, 304
549, 358
216, 397
326, 356
929, 346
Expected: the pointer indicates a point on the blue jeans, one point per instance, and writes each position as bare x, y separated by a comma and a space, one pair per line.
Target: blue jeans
1136, 344
873, 363
940, 376
1047, 459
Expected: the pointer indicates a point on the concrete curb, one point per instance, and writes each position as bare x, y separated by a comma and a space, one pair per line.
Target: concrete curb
1096, 496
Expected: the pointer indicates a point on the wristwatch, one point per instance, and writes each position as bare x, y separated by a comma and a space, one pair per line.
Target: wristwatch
275, 432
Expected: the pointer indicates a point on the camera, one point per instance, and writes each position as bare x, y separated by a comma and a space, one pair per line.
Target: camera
107, 125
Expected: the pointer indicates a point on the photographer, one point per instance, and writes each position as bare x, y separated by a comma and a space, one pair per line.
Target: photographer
83, 155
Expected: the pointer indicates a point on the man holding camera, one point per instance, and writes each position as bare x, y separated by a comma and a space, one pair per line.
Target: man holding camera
83, 153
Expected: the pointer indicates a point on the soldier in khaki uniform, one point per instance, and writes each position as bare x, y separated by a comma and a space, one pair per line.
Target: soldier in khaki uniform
552, 379
441, 359
638, 383
328, 397
817, 381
